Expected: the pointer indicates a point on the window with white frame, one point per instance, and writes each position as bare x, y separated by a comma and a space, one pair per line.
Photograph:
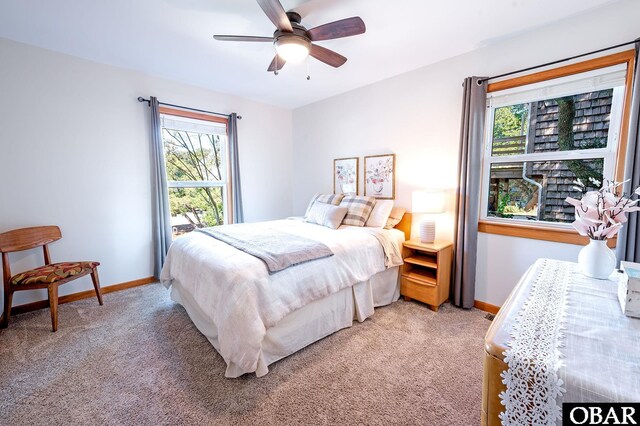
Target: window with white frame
541, 138
196, 164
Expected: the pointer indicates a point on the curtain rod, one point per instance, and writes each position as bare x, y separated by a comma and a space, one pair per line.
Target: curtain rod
141, 99
558, 61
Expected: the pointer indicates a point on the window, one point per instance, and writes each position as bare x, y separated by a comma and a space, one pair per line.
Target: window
541, 137
196, 161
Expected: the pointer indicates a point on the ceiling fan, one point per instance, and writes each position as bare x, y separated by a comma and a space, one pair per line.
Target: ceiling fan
293, 42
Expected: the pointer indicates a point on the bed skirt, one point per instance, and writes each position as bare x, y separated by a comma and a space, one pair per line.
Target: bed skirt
306, 325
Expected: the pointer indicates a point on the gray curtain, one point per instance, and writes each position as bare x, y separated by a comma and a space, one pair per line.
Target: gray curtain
474, 103
238, 215
628, 247
161, 214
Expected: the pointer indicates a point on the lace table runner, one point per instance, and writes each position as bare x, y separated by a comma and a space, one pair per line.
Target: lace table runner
532, 382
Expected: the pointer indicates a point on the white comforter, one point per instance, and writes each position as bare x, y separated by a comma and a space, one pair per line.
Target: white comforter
244, 300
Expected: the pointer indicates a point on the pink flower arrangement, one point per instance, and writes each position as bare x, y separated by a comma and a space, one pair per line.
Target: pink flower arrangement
600, 214
381, 172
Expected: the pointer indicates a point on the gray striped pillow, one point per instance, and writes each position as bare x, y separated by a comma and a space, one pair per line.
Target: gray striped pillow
358, 209
333, 199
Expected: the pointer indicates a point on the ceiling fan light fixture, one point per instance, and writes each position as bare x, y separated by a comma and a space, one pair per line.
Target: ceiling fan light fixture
292, 48
292, 41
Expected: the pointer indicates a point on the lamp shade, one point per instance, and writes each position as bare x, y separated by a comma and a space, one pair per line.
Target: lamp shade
428, 201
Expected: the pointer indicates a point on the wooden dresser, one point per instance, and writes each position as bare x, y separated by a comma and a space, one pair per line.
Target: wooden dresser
598, 344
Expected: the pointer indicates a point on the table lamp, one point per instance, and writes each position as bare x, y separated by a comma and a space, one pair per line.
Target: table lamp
427, 202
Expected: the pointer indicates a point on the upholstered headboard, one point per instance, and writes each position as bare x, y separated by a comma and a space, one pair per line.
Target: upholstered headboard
405, 225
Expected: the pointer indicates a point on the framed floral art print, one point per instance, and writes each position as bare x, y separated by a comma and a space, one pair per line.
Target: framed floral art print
345, 176
380, 176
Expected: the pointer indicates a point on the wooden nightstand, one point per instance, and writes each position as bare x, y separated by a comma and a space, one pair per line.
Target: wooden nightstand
426, 273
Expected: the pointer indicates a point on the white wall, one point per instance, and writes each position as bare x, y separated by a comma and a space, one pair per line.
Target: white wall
74, 151
502, 261
74, 147
417, 116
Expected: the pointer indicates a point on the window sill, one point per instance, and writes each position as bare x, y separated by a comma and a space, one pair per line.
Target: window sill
537, 232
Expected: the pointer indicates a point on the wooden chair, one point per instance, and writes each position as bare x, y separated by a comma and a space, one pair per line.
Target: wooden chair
49, 276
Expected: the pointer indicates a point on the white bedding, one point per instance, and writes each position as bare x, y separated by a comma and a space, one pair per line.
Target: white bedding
306, 325
245, 301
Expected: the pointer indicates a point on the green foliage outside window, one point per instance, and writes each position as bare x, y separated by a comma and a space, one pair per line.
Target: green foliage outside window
194, 157
510, 121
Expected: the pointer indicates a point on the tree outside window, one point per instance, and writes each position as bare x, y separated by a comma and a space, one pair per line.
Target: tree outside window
196, 177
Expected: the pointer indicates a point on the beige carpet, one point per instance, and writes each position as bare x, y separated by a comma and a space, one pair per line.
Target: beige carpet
140, 360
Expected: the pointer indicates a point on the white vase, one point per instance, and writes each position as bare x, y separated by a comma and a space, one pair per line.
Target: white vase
596, 260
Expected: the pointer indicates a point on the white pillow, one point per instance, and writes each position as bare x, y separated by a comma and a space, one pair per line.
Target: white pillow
326, 215
380, 214
333, 199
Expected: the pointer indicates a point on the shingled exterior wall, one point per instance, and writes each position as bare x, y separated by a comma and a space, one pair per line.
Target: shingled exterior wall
590, 126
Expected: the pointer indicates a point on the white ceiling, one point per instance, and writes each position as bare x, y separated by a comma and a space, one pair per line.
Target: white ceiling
173, 38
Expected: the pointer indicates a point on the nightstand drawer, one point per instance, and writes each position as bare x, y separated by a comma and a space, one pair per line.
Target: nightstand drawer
419, 290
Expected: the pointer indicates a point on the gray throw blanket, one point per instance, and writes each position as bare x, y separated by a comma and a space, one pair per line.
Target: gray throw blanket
279, 250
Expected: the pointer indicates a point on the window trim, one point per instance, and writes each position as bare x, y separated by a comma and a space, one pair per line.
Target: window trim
539, 232
227, 185
548, 231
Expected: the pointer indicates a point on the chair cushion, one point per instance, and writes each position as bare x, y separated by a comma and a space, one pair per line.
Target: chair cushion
53, 272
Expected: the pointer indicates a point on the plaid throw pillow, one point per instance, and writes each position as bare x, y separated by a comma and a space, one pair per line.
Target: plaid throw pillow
358, 209
324, 198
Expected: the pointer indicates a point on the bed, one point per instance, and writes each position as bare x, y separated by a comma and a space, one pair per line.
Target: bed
254, 318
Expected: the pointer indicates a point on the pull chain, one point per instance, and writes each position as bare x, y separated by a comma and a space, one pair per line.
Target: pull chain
276, 72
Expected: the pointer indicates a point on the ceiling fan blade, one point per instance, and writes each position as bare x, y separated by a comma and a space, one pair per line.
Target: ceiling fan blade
242, 38
338, 29
272, 66
275, 12
327, 56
